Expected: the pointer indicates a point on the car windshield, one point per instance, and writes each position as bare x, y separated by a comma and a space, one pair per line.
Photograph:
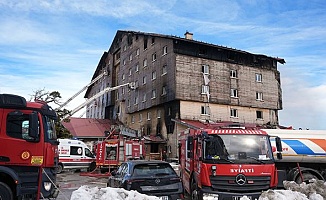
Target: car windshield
237, 148
160, 169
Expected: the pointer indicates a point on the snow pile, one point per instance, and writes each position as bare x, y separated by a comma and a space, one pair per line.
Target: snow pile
316, 190
87, 193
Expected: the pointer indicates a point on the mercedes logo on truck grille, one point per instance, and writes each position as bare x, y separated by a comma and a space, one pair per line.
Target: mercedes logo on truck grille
240, 179
157, 181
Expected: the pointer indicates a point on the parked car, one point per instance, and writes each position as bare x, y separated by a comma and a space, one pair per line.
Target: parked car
155, 178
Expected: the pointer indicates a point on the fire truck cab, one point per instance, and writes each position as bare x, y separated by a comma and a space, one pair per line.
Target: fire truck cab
227, 163
28, 149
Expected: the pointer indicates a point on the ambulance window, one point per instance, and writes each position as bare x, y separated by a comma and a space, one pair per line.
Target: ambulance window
76, 151
88, 153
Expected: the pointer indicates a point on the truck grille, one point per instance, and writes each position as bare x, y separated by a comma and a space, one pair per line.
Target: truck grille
229, 184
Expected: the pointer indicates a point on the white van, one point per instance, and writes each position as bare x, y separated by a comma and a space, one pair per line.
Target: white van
74, 154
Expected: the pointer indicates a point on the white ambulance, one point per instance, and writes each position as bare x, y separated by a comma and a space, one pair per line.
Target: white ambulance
74, 154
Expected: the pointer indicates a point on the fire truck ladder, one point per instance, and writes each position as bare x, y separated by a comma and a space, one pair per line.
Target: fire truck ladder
83, 89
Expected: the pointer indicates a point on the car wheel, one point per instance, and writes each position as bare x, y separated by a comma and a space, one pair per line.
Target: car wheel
5, 192
59, 168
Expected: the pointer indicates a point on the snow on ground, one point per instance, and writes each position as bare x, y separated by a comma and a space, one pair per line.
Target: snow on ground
316, 190
95, 193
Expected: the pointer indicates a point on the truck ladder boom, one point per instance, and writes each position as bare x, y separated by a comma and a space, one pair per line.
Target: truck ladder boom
84, 88
108, 89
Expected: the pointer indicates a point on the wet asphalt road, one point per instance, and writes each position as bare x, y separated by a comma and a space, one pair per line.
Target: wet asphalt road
70, 181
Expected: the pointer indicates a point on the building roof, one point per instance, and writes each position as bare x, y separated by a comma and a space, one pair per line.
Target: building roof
122, 32
87, 127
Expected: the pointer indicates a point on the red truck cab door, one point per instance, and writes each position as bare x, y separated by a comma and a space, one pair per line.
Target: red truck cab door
23, 147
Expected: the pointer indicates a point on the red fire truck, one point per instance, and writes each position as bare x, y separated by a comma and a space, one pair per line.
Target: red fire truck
28, 149
120, 145
227, 162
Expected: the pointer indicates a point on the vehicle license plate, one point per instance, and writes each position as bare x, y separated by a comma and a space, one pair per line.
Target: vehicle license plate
239, 197
164, 198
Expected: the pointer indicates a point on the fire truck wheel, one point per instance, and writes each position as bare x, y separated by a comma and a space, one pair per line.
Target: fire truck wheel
195, 194
306, 178
5, 192
59, 168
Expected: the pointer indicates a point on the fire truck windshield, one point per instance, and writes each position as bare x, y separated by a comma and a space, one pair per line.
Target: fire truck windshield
237, 148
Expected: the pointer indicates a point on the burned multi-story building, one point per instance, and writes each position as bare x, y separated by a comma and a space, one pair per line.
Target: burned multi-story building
184, 79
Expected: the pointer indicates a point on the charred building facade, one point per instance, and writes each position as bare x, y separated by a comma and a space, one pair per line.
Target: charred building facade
180, 78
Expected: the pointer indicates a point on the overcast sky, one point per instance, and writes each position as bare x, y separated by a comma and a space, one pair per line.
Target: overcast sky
56, 44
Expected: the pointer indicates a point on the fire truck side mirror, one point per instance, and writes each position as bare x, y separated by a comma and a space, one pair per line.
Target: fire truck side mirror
33, 126
278, 144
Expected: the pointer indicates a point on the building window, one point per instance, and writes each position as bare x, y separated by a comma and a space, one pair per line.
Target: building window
205, 110
259, 114
234, 93
164, 69
259, 96
148, 132
153, 40
205, 89
274, 63
116, 97
145, 43
132, 119
234, 112
165, 50
130, 57
159, 114
144, 80
128, 103
137, 52
123, 90
149, 116
205, 69
145, 63
136, 84
125, 48
124, 61
137, 68
144, 97
136, 100
233, 73
140, 117
164, 88
130, 72
153, 57
259, 77
117, 56
153, 75
123, 77
153, 94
